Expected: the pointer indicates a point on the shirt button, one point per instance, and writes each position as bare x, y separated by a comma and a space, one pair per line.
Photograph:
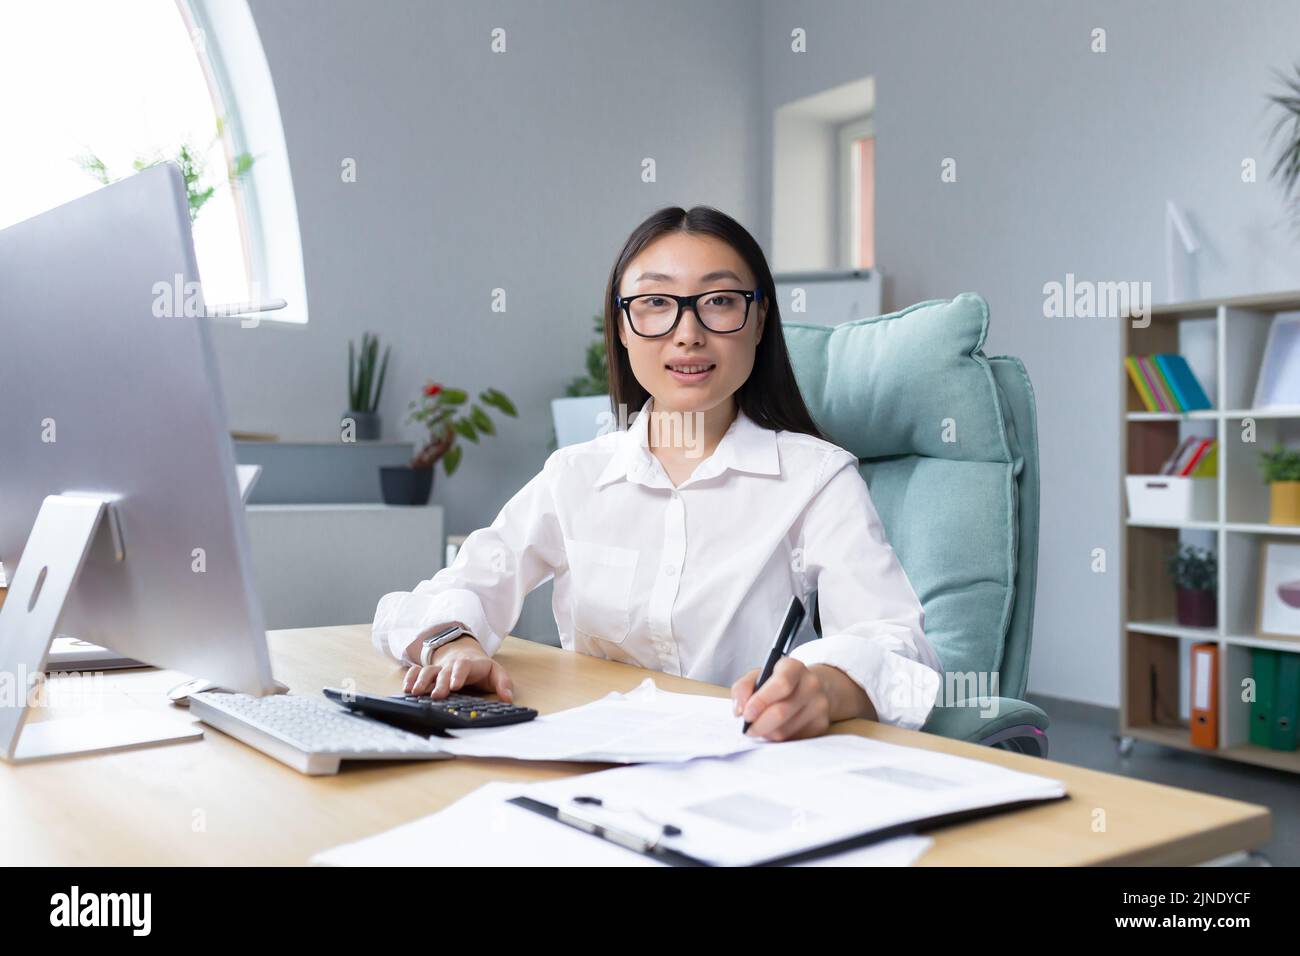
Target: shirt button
669, 570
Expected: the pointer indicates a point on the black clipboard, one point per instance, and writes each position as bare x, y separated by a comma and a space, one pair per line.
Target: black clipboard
676, 858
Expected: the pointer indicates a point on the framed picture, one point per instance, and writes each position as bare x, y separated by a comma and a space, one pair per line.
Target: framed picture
1279, 370
1279, 589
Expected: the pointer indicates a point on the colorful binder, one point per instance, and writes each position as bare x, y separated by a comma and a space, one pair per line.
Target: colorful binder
1194, 458
1140, 383
1166, 383
1205, 695
1208, 466
1156, 383
1264, 670
1198, 455
1182, 382
1287, 701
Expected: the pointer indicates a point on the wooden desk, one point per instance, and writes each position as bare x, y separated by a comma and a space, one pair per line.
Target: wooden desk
217, 801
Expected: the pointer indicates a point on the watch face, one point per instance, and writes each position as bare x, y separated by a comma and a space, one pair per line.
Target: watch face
454, 629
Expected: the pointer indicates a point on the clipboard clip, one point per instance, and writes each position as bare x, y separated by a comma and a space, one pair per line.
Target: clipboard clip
595, 824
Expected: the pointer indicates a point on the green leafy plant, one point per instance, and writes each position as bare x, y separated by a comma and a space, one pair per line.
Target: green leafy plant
1280, 464
1193, 568
1287, 166
596, 381
441, 411
364, 389
189, 158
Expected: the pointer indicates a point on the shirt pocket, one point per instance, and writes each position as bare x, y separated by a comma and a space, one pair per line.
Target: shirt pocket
603, 575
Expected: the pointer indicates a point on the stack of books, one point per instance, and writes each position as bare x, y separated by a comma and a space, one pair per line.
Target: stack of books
1166, 383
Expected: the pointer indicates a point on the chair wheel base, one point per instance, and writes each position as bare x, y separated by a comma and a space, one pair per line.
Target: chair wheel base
1023, 739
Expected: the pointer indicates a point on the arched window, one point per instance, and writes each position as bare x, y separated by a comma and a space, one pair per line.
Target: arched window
94, 89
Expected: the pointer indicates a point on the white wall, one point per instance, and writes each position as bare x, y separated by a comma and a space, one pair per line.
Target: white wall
1065, 159
803, 207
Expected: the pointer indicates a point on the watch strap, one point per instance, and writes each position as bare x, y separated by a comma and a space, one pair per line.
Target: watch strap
429, 646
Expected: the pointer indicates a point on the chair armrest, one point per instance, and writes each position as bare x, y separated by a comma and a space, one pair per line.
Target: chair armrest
987, 720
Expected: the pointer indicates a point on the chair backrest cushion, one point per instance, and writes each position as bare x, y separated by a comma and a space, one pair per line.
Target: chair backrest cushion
913, 396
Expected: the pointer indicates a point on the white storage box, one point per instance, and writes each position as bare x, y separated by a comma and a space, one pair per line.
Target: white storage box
1170, 498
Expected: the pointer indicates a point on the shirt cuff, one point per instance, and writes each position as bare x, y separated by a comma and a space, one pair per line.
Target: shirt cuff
402, 616
902, 690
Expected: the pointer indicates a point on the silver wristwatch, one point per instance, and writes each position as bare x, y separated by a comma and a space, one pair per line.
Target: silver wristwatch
435, 641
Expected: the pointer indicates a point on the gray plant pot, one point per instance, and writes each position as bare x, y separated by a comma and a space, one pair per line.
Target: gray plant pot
367, 425
404, 485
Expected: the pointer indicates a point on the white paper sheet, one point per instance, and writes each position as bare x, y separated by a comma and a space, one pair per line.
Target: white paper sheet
643, 725
482, 829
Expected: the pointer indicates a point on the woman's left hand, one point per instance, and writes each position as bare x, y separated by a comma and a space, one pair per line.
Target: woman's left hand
793, 703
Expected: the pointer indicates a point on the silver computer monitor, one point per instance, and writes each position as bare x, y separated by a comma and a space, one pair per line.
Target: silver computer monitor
109, 390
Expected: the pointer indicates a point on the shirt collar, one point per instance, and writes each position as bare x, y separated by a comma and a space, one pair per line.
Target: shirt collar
746, 446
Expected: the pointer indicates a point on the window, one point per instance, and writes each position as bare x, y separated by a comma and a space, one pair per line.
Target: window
857, 156
823, 181
94, 86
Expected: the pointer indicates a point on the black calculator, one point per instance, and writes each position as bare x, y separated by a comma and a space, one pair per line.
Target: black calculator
453, 712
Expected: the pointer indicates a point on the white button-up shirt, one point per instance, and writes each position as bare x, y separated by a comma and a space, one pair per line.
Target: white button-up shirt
695, 579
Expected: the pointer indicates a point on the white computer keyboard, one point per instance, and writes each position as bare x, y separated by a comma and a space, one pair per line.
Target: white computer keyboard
310, 735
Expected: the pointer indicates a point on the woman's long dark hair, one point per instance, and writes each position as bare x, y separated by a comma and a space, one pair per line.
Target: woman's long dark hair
770, 396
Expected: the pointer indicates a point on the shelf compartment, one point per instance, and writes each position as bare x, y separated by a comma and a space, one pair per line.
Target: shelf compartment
1149, 590
1237, 716
1151, 442
1153, 679
1246, 492
1195, 339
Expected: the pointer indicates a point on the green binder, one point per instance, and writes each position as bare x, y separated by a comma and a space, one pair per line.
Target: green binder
1264, 669
1287, 702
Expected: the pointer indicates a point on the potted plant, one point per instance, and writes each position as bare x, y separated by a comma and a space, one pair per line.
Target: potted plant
364, 389
577, 416
193, 162
1195, 575
1287, 165
440, 410
1281, 470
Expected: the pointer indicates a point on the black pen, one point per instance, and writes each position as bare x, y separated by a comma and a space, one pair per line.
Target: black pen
793, 618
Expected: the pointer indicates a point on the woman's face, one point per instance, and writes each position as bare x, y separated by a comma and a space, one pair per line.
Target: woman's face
685, 264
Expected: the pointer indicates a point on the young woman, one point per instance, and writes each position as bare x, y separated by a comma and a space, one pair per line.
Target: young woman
676, 543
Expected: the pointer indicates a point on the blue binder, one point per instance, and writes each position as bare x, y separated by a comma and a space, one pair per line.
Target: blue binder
1182, 382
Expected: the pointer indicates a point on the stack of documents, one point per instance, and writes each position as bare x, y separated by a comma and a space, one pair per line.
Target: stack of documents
801, 801
484, 829
646, 724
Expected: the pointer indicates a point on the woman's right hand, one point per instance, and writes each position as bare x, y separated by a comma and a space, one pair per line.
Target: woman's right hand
462, 663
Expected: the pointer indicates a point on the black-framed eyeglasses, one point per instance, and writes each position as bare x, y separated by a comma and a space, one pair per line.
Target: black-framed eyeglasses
655, 314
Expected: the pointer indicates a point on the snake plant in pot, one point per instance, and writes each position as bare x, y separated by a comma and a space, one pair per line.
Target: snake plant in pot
442, 411
361, 420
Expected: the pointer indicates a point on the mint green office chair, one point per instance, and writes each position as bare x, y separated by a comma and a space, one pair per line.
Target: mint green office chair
948, 444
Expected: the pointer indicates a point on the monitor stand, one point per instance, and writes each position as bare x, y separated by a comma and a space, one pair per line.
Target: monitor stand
66, 530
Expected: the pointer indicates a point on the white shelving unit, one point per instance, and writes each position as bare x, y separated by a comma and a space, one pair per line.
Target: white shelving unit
1223, 341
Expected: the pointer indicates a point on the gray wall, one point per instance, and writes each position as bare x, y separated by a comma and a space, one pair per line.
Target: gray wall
1064, 161
522, 171
476, 171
